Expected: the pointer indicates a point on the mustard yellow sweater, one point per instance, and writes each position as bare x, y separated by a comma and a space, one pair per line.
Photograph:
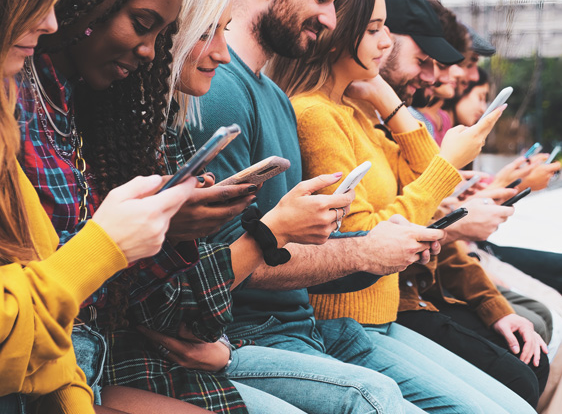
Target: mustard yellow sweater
407, 177
37, 309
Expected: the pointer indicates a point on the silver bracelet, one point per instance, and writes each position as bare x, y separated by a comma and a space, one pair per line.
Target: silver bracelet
224, 340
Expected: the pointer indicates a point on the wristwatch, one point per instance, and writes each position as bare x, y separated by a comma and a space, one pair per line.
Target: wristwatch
224, 340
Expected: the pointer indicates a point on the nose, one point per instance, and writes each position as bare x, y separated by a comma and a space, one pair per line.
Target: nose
472, 74
145, 50
327, 16
427, 73
49, 24
386, 41
219, 52
442, 73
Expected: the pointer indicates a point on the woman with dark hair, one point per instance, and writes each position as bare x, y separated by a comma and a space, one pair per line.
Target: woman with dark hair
99, 99
42, 288
408, 176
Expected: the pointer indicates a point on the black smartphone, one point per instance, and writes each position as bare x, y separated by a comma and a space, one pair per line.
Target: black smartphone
449, 219
514, 184
517, 197
204, 155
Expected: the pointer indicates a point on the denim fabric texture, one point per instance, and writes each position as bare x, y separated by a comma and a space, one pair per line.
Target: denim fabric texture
259, 402
90, 349
13, 404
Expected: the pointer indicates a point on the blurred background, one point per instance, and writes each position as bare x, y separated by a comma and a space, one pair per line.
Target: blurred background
528, 38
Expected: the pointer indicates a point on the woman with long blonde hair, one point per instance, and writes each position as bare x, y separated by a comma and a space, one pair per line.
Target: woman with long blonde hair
41, 285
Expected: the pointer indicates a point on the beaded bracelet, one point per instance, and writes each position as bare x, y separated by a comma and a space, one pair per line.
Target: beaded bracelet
264, 237
388, 118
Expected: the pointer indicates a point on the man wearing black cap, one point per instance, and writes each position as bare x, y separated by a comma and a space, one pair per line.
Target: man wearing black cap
418, 41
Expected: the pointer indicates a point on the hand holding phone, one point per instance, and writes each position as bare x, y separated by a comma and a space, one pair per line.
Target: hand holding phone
220, 139
553, 154
499, 101
535, 149
259, 172
517, 197
449, 219
473, 181
353, 178
514, 183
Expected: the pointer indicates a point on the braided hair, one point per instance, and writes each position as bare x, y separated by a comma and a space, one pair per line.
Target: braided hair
122, 126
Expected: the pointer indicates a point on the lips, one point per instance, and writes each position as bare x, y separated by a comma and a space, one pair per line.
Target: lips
27, 50
124, 69
207, 71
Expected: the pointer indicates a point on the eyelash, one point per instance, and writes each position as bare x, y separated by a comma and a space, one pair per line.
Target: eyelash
140, 28
373, 31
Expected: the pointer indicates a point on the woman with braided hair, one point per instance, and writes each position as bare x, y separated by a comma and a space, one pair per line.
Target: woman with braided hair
41, 286
99, 95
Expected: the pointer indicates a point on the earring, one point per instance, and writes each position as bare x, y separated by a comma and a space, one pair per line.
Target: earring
88, 31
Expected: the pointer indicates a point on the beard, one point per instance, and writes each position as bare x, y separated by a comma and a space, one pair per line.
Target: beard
390, 72
279, 32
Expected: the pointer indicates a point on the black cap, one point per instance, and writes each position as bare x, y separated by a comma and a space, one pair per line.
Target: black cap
479, 44
417, 19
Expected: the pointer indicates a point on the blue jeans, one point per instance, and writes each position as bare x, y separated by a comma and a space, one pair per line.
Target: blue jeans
13, 404
259, 402
344, 340
90, 349
421, 351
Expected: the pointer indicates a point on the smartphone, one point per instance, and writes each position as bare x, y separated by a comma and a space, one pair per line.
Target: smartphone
535, 149
514, 184
259, 172
517, 197
204, 155
353, 178
449, 219
499, 101
553, 154
466, 186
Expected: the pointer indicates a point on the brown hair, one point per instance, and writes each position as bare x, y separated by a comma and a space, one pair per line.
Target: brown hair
455, 32
310, 72
16, 18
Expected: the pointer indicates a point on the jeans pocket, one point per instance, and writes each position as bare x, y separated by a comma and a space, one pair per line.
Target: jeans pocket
249, 330
90, 349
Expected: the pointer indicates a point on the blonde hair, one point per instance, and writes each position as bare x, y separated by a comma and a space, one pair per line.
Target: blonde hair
197, 18
16, 18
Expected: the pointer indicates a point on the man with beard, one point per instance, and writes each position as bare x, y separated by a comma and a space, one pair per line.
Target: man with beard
418, 41
272, 308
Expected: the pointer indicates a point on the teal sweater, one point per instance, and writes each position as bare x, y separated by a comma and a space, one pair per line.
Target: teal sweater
268, 125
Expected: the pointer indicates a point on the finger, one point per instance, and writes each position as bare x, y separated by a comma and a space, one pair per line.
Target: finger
435, 248
511, 340
138, 187
398, 219
187, 334
537, 355
173, 198
429, 235
222, 193
176, 359
528, 348
425, 257
555, 166
317, 183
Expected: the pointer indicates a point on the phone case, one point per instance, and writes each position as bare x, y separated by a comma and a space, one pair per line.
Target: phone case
259, 172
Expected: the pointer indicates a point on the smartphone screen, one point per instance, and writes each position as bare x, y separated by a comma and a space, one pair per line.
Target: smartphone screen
204, 155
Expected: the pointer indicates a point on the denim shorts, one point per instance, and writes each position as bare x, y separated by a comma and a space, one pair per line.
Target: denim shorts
90, 349
13, 404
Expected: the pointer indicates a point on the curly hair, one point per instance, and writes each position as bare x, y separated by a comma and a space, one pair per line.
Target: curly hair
122, 126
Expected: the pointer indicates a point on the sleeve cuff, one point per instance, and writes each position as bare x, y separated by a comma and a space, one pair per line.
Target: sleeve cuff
86, 261
494, 309
439, 178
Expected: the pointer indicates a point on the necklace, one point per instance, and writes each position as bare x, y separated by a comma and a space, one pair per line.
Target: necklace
42, 94
79, 168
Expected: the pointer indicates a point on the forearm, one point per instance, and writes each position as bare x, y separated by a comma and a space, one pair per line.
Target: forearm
246, 257
311, 265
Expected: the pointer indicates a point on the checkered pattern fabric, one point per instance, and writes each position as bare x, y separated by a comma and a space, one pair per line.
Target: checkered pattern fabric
50, 168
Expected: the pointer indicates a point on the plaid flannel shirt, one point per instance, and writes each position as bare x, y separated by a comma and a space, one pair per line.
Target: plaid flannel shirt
201, 298
50, 168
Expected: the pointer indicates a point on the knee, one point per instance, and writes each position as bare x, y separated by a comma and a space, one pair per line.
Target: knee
376, 393
521, 379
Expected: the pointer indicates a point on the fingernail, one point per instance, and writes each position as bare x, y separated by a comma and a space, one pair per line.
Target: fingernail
211, 174
527, 160
200, 179
338, 174
252, 189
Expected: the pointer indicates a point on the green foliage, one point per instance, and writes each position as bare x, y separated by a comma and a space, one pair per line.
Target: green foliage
519, 74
